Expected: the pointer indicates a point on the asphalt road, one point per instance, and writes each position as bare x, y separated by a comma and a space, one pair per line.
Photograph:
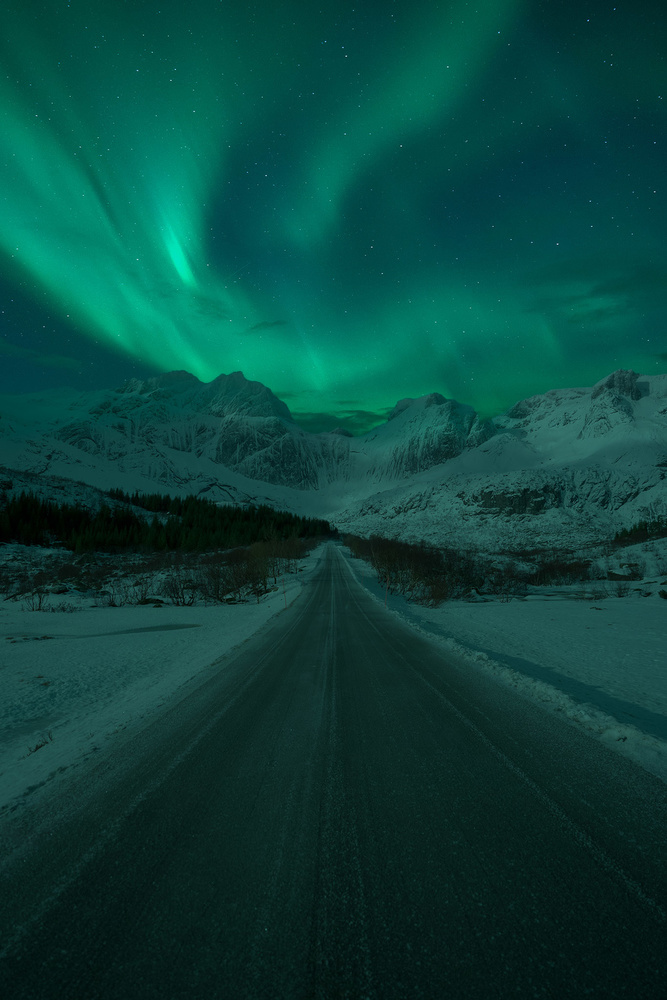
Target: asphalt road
340, 811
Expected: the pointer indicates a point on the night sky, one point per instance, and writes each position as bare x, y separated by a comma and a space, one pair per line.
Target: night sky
351, 204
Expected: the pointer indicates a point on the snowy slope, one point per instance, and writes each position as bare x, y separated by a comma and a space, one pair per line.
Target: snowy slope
570, 465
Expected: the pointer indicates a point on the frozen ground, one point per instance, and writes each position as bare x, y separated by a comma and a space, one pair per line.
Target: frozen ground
602, 663
71, 682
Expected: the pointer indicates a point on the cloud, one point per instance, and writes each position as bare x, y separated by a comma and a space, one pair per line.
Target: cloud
285, 394
597, 298
41, 360
643, 280
357, 422
586, 291
266, 325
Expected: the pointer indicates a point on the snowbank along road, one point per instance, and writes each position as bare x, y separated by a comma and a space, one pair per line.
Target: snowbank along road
339, 811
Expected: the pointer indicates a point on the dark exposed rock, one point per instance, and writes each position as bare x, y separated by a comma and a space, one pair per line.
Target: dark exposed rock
619, 383
527, 500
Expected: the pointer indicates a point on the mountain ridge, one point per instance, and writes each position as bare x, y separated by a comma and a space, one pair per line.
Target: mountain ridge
583, 461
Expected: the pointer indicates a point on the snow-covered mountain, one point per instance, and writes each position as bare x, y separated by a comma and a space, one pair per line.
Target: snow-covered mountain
569, 467
572, 464
170, 431
161, 429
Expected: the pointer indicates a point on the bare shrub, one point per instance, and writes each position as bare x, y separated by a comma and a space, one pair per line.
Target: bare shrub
507, 581
108, 597
215, 581
258, 570
64, 607
557, 568
635, 570
142, 587
181, 587
237, 572
505, 597
420, 572
38, 600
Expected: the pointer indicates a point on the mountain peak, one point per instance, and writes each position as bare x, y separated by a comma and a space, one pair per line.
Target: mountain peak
167, 380
621, 383
243, 395
224, 395
419, 403
235, 377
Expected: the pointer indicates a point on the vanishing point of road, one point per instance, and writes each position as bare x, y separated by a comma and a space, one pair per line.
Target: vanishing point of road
340, 810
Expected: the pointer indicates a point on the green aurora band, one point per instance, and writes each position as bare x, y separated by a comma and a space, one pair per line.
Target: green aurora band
351, 205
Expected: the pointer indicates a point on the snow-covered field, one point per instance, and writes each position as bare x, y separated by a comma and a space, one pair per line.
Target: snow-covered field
601, 663
71, 682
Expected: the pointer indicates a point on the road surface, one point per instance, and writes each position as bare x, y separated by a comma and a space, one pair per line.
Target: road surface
340, 811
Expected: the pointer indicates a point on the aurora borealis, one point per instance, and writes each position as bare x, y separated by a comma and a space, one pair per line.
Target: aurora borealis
350, 204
